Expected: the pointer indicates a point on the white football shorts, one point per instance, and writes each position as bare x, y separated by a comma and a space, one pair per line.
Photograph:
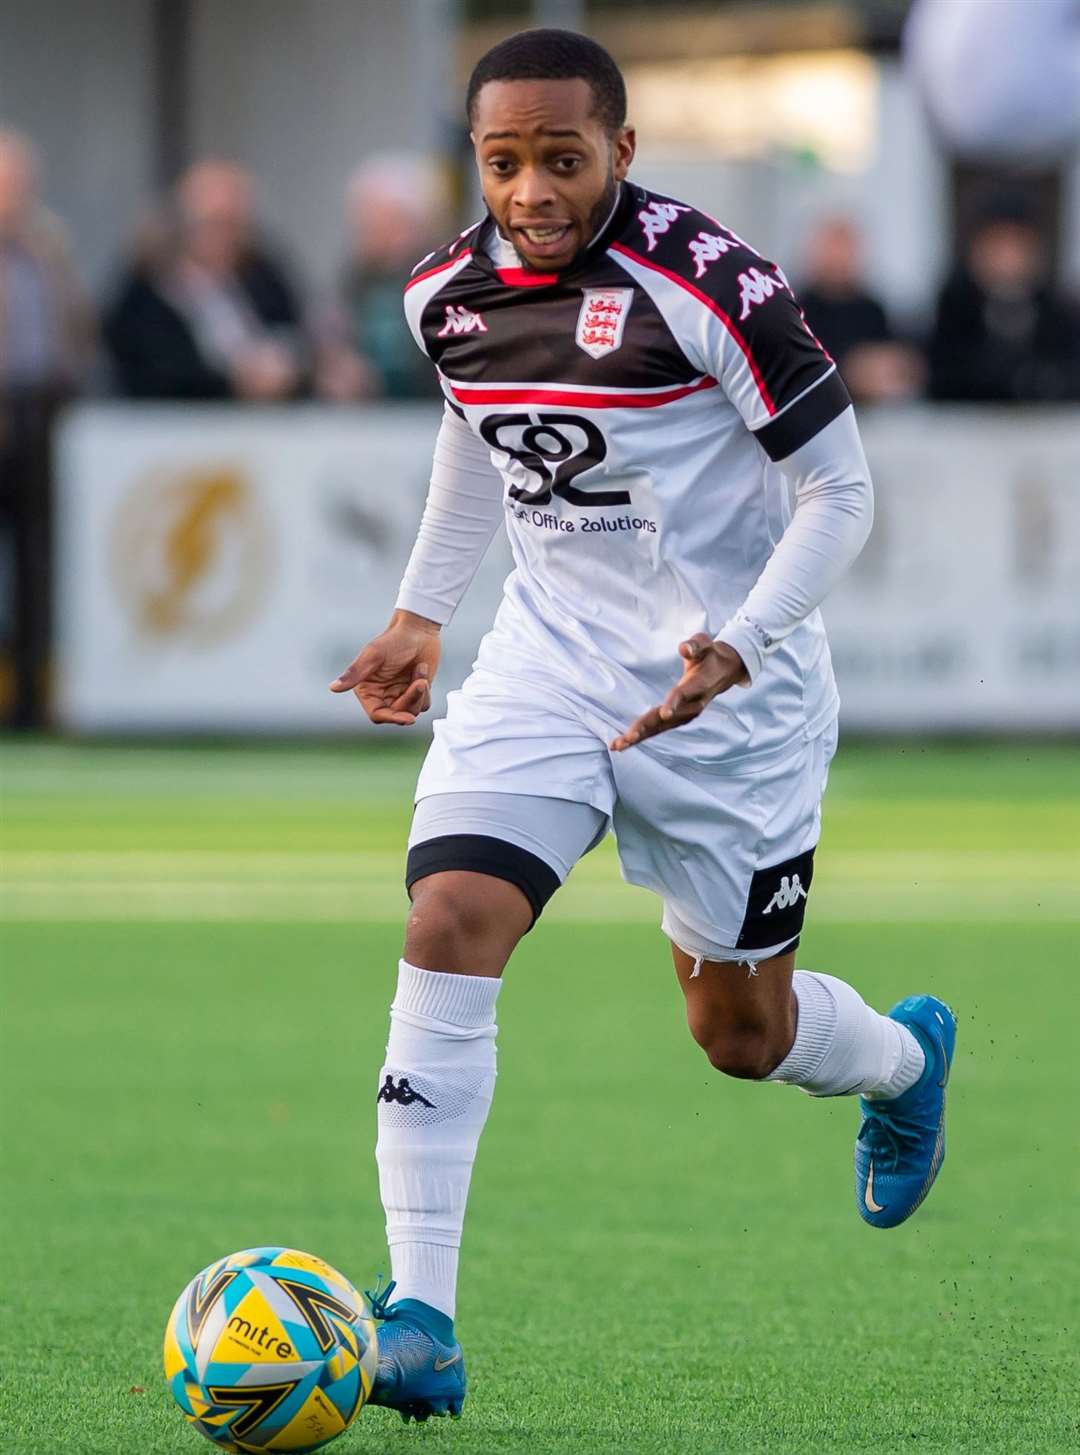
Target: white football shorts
728, 848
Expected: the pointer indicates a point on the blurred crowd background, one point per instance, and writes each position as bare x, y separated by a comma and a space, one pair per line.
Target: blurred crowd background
219, 200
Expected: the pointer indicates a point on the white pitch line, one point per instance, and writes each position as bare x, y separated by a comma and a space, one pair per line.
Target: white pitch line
382, 900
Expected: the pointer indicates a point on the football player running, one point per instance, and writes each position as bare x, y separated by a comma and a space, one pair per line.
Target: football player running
635, 392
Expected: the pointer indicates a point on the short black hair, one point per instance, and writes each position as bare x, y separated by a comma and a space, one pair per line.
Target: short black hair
554, 55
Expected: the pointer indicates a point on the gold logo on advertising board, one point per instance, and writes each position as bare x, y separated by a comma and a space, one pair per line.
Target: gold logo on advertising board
190, 553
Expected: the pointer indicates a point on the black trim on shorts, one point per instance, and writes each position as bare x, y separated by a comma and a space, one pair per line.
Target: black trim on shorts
776, 904
482, 854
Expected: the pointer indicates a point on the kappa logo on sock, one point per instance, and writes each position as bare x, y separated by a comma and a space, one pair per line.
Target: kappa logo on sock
401, 1093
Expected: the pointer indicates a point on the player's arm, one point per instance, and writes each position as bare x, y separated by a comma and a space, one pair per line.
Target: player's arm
750, 334
834, 510
391, 678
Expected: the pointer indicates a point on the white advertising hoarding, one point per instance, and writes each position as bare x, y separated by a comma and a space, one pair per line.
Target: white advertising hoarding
218, 565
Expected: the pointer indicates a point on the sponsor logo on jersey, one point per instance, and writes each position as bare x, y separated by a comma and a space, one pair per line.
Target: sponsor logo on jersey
460, 319
706, 248
657, 218
602, 320
789, 893
754, 288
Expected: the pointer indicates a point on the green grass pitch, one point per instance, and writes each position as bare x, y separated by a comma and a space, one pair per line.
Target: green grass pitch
198, 951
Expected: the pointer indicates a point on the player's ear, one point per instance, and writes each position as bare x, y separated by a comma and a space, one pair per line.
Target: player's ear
625, 146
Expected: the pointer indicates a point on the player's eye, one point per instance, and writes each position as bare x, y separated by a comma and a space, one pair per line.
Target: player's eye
501, 166
567, 164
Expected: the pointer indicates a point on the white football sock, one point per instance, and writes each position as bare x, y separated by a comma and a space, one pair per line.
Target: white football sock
843, 1047
434, 1096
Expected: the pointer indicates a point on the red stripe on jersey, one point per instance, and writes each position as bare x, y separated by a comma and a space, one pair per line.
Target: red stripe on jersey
523, 278
766, 397
466, 394
440, 269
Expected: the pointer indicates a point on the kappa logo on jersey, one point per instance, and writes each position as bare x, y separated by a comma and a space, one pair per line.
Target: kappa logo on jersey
754, 288
657, 218
460, 319
602, 320
789, 893
706, 248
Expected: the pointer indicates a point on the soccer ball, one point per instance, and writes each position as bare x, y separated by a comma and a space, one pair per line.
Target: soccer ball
270, 1349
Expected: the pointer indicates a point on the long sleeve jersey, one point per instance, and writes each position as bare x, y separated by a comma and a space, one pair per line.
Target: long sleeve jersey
672, 451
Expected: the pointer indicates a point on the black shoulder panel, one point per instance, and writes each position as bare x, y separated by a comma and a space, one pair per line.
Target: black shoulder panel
693, 246
754, 302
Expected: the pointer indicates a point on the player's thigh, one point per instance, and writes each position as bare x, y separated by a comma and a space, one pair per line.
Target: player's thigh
512, 793
481, 867
730, 854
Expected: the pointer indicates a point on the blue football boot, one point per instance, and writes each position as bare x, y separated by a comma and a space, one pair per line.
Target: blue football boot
421, 1367
901, 1143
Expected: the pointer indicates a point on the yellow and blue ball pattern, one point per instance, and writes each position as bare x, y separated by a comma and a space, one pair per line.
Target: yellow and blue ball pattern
270, 1349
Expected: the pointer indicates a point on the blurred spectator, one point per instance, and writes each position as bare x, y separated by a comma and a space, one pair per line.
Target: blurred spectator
205, 312
1001, 333
46, 345
394, 214
851, 322
46, 333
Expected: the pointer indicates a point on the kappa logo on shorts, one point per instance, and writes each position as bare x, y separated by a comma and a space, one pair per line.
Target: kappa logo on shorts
776, 903
787, 895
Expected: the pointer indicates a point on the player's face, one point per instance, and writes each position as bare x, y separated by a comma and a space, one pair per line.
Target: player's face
548, 167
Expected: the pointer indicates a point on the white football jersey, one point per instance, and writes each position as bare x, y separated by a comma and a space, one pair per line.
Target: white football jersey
632, 405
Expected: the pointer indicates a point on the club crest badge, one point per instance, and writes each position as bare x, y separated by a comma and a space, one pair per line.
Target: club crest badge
602, 320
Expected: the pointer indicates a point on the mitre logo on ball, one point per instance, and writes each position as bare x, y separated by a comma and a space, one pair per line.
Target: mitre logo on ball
602, 320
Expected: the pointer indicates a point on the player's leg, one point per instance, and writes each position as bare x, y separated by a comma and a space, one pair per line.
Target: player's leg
761, 1019
733, 857
481, 868
765, 1020
743, 1016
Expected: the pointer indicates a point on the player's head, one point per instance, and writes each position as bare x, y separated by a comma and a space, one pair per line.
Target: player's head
547, 113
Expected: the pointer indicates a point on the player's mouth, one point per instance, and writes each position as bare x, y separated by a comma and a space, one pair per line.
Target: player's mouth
545, 240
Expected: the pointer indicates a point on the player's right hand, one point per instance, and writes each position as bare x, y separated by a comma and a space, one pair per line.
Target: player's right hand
391, 678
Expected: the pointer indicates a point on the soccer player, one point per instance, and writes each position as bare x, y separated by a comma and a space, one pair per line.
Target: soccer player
634, 391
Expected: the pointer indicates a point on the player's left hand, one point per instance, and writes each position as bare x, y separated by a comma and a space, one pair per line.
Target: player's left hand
711, 668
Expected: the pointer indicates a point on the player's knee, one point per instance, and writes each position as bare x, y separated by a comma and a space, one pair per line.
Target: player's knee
747, 1048
455, 928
